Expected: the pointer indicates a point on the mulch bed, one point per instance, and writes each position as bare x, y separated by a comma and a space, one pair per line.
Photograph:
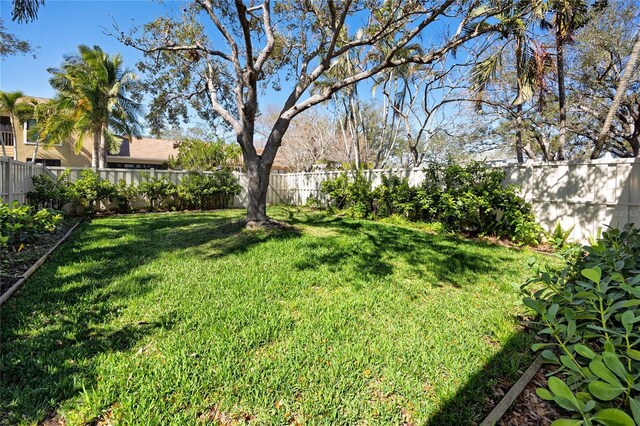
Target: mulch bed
529, 409
14, 263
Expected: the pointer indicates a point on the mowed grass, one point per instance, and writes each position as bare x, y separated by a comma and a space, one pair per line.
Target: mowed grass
188, 318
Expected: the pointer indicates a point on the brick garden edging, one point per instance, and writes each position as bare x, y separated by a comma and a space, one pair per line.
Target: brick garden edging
7, 294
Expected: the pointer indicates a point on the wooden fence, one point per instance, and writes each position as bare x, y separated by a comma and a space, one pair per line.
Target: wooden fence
588, 195
15, 179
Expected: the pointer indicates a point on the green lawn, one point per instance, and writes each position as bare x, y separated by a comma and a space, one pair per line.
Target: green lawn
187, 318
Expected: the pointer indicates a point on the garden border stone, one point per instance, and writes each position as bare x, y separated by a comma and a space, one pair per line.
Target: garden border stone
509, 398
7, 294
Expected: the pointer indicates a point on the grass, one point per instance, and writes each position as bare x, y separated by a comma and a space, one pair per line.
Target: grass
188, 318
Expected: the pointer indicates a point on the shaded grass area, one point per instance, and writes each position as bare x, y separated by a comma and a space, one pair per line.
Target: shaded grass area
185, 318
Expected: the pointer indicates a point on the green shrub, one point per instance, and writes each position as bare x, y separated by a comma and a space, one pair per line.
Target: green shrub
125, 194
589, 313
158, 190
90, 189
21, 224
50, 192
472, 198
208, 191
350, 191
394, 196
468, 198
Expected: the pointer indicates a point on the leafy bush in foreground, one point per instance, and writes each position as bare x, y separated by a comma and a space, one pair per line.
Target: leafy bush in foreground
467, 198
590, 314
20, 224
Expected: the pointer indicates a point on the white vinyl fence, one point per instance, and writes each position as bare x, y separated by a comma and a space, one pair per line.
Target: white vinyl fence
15, 179
135, 176
589, 195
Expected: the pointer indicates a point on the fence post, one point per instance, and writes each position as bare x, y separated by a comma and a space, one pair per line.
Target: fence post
5, 179
9, 180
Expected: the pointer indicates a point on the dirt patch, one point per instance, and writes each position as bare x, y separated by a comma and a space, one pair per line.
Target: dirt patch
222, 418
529, 409
14, 263
56, 420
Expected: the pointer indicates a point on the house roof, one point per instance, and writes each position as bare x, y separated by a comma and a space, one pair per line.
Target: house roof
147, 150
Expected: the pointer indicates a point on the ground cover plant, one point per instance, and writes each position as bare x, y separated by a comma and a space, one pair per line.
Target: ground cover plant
26, 233
183, 318
589, 313
20, 225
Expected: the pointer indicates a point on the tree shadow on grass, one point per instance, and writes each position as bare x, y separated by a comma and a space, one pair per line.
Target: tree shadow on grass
380, 248
483, 391
67, 314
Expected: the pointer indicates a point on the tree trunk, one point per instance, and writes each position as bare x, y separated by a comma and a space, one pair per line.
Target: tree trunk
620, 92
15, 137
562, 137
35, 152
257, 186
102, 158
4, 150
95, 152
519, 144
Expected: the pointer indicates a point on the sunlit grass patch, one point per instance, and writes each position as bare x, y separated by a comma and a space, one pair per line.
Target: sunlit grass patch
185, 318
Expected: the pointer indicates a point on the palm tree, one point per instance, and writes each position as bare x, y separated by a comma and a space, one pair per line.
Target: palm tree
527, 70
620, 93
567, 17
91, 100
18, 111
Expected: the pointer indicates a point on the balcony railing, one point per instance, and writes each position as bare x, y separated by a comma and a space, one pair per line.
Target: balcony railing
7, 138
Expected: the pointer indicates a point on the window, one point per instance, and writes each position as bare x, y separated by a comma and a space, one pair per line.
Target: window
134, 166
30, 124
46, 162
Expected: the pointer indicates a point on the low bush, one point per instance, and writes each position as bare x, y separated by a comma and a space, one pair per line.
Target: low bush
467, 198
20, 224
51, 192
125, 194
208, 191
90, 189
589, 313
159, 191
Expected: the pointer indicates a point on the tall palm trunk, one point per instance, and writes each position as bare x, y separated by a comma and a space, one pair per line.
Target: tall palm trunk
15, 138
95, 152
562, 127
102, 159
35, 152
519, 144
4, 149
620, 92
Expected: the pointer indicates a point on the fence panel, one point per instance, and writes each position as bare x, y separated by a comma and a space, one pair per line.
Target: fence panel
588, 195
15, 179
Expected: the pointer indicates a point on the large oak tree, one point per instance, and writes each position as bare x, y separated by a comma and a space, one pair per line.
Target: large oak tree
219, 56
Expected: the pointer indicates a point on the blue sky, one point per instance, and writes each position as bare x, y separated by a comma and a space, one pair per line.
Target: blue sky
63, 24
60, 27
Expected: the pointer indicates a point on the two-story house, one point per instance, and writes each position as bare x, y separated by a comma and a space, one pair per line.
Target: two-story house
144, 153
137, 153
